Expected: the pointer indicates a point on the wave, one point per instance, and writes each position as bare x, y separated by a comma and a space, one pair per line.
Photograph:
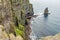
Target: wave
40, 14
33, 36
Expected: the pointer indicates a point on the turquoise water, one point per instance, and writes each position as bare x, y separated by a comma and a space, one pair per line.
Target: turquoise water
50, 25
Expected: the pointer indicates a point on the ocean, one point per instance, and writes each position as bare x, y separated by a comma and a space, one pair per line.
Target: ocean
45, 26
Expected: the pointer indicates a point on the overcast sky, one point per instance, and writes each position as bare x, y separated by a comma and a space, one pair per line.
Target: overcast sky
39, 5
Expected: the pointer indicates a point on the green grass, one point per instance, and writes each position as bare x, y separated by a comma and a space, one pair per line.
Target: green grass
21, 27
19, 32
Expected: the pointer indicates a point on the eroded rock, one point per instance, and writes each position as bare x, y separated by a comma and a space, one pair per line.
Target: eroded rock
6, 36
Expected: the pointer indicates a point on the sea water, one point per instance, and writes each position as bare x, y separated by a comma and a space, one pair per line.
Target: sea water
45, 26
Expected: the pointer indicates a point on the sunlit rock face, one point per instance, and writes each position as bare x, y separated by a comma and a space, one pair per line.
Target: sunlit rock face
5, 14
5, 36
9, 9
13, 13
56, 37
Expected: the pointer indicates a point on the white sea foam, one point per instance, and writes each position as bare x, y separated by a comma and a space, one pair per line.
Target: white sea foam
33, 36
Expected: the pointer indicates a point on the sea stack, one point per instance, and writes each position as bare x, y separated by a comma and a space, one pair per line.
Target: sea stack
46, 12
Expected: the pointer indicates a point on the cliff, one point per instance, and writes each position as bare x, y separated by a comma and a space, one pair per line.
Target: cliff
13, 16
5, 36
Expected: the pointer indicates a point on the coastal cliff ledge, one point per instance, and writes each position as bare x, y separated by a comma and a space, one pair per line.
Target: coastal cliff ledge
56, 37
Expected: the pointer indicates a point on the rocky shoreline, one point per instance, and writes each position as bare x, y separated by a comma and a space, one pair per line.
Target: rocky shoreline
56, 37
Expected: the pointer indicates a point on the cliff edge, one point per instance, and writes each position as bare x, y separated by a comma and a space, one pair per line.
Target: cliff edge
56, 37
13, 16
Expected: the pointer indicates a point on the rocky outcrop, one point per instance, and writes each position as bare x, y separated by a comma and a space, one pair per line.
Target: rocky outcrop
56, 37
5, 36
13, 15
46, 11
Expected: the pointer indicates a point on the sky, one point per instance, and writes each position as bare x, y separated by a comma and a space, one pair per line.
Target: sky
40, 5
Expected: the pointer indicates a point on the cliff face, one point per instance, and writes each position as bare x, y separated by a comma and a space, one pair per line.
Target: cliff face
5, 14
5, 36
13, 16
